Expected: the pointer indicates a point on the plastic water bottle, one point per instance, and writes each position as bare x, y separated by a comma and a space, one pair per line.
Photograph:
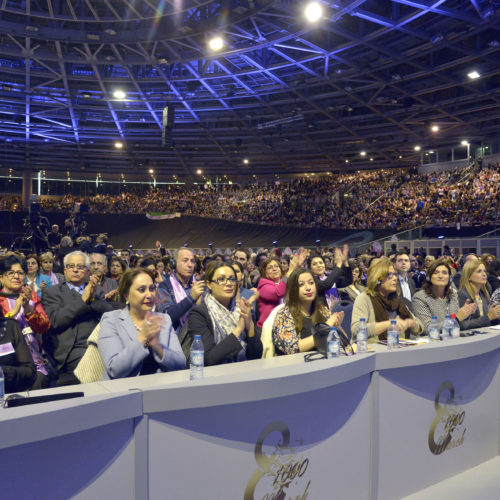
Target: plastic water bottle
455, 330
392, 335
362, 336
333, 344
434, 329
446, 329
196, 359
2, 389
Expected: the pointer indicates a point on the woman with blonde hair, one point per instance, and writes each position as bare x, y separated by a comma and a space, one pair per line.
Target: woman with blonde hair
379, 304
473, 289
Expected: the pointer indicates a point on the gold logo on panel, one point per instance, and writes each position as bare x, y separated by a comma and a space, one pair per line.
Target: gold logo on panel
280, 473
447, 430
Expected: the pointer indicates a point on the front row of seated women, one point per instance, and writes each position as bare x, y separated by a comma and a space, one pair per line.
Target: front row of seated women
137, 341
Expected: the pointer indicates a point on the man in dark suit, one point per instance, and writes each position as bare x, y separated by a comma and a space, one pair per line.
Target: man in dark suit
406, 286
74, 309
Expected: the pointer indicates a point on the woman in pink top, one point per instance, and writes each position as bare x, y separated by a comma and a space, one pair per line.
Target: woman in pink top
272, 285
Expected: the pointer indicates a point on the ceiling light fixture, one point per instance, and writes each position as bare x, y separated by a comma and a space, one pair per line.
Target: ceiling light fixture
417, 148
435, 128
245, 161
313, 12
473, 75
464, 143
216, 43
118, 145
363, 153
199, 171
119, 94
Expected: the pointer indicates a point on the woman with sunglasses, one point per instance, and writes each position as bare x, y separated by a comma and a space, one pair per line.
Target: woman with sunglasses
224, 323
19, 302
380, 304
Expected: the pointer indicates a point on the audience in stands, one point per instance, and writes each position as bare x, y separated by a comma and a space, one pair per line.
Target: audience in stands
372, 199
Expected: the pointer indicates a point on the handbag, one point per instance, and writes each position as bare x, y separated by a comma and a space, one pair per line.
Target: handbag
90, 368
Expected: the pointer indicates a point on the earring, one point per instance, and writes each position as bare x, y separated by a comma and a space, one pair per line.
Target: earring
126, 302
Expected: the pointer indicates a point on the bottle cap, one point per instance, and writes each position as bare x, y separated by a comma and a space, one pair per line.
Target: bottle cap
362, 319
434, 317
393, 321
448, 316
197, 337
453, 316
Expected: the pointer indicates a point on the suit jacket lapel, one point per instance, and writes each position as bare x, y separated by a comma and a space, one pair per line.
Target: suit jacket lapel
125, 324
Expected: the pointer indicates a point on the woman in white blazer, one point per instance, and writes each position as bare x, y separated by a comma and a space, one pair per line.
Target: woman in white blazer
134, 340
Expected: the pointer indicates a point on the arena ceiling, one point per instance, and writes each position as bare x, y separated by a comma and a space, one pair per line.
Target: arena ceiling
281, 96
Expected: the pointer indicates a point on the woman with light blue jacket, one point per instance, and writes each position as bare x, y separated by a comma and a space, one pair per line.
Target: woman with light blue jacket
134, 340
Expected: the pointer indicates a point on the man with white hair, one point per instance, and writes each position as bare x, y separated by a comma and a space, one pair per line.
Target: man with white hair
74, 309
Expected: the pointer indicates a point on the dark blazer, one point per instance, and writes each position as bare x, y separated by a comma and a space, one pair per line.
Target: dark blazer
71, 319
411, 285
338, 276
474, 320
18, 367
494, 282
200, 323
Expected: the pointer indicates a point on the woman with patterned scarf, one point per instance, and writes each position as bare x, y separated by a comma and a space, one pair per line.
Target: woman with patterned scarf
224, 323
380, 303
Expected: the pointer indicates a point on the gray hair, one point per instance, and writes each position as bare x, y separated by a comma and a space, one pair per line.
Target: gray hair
80, 254
176, 253
104, 258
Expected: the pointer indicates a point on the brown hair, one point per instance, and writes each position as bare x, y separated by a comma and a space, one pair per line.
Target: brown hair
293, 303
427, 285
128, 277
266, 262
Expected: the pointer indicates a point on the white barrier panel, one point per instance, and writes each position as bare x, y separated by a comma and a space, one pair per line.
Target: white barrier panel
436, 420
297, 446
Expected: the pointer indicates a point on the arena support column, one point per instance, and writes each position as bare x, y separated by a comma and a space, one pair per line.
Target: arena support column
27, 188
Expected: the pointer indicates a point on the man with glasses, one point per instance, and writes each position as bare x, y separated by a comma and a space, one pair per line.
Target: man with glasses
74, 309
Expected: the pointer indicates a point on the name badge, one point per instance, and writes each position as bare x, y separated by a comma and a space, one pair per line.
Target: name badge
6, 349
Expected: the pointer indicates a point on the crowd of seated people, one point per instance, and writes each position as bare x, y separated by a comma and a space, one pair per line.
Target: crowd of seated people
138, 314
397, 199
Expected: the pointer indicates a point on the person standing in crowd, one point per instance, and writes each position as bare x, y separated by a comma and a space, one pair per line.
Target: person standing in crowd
355, 288
272, 285
473, 289
182, 292
99, 268
327, 284
74, 309
292, 329
117, 267
494, 274
47, 268
416, 273
54, 237
242, 257
34, 277
20, 302
438, 297
224, 323
133, 341
406, 286
380, 304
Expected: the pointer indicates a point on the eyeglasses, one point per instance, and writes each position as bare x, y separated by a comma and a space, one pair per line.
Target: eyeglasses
11, 274
79, 267
390, 276
225, 281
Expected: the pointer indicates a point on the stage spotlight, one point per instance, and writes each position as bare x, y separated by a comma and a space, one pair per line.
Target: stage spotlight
216, 43
313, 12
435, 128
199, 171
363, 153
118, 145
245, 161
417, 148
473, 75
